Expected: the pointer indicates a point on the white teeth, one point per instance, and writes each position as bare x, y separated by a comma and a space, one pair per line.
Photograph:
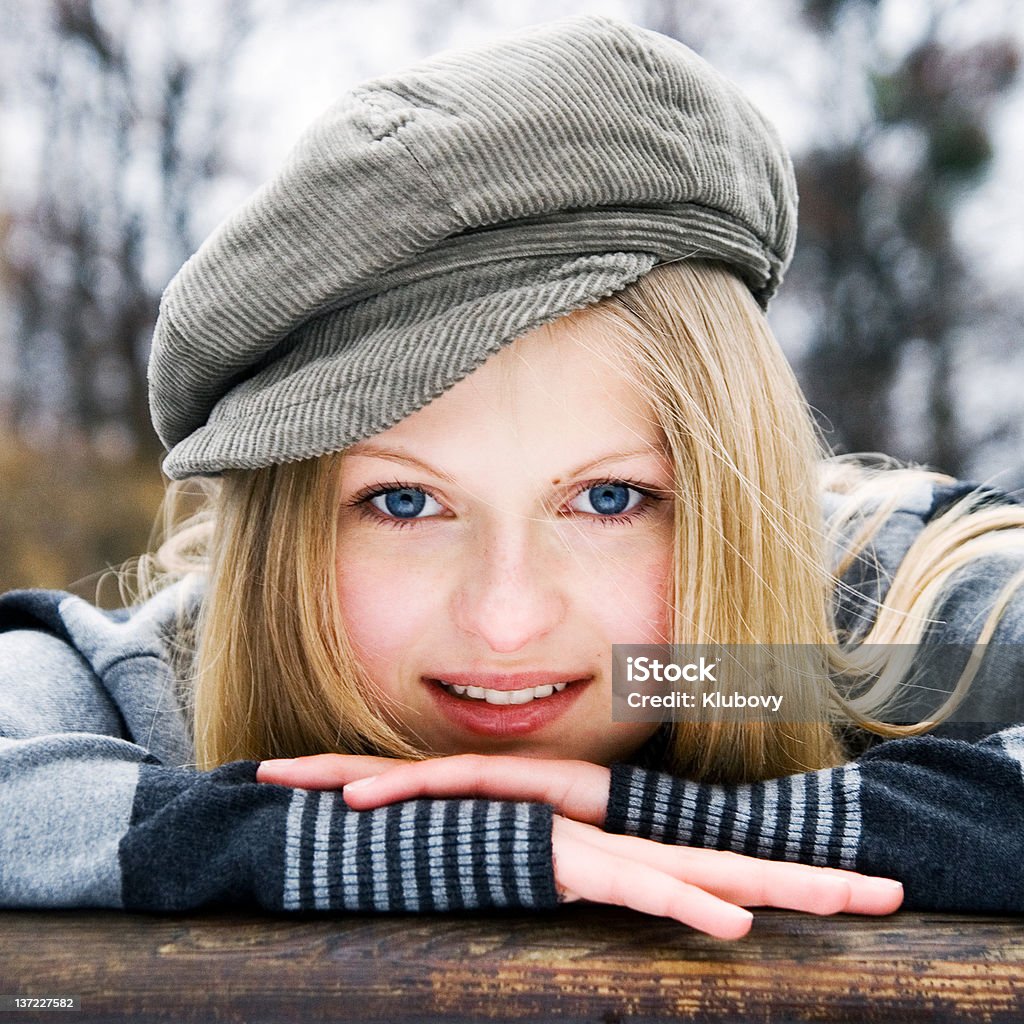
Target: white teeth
505, 696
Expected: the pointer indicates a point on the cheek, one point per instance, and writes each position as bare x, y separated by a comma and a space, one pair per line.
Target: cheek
384, 607
630, 596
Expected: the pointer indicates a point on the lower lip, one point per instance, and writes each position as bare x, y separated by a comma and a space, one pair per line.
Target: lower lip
483, 719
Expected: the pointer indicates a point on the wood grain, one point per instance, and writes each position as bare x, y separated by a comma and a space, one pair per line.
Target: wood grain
580, 963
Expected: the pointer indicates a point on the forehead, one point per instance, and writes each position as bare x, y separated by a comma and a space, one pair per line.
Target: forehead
572, 378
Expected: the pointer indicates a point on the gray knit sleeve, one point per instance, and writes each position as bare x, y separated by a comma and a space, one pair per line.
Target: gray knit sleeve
200, 838
943, 816
97, 809
89, 820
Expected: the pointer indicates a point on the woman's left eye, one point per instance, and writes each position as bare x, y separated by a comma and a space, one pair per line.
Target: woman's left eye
608, 499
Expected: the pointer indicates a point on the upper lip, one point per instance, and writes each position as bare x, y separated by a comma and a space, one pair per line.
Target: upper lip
507, 680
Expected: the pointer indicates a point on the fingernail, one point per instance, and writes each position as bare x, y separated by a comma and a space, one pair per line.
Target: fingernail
889, 884
359, 783
277, 762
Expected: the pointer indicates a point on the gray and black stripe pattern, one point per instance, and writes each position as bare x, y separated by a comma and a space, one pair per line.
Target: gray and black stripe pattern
422, 855
814, 818
220, 837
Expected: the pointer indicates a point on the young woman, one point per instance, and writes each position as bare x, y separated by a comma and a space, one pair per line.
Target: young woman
480, 385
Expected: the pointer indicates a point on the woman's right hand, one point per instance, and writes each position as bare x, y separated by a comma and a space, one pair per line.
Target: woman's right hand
706, 889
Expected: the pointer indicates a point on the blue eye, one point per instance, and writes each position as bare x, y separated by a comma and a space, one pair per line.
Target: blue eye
609, 499
405, 503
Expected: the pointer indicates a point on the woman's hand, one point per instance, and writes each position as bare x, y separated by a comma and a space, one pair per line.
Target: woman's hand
576, 789
705, 889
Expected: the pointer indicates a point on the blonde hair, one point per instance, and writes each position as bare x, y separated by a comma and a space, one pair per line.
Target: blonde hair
869, 489
748, 534
752, 548
274, 674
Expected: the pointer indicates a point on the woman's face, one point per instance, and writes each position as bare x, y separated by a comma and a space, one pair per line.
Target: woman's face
495, 544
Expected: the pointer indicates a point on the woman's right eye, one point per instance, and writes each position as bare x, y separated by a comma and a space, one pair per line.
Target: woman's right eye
405, 503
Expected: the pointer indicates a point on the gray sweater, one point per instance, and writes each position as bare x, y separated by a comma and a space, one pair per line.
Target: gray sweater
99, 805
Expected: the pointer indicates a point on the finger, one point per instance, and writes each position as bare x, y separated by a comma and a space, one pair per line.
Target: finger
871, 894
602, 877
578, 789
752, 881
321, 771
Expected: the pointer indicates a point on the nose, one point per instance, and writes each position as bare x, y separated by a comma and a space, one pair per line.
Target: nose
511, 591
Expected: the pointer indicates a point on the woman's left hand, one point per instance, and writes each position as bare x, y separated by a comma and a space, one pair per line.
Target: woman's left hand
576, 789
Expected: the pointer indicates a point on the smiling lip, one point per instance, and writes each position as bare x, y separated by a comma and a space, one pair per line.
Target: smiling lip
505, 721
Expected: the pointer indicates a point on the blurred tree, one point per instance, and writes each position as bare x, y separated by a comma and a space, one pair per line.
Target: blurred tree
877, 247
120, 121
902, 136
125, 123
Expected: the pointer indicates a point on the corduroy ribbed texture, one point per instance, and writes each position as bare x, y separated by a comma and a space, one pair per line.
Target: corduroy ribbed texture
431, 217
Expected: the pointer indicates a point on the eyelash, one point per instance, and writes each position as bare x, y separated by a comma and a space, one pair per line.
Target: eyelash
367, 511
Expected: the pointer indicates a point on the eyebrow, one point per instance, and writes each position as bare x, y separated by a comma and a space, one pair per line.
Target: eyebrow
399, 455
635, 453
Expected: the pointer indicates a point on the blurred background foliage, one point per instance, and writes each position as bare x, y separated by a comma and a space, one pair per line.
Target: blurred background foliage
128, 128
66, 519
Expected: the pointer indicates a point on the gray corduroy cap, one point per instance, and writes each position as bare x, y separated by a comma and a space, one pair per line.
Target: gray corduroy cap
430, 217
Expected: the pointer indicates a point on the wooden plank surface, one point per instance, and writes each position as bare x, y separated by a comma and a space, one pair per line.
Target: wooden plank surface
579, 963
